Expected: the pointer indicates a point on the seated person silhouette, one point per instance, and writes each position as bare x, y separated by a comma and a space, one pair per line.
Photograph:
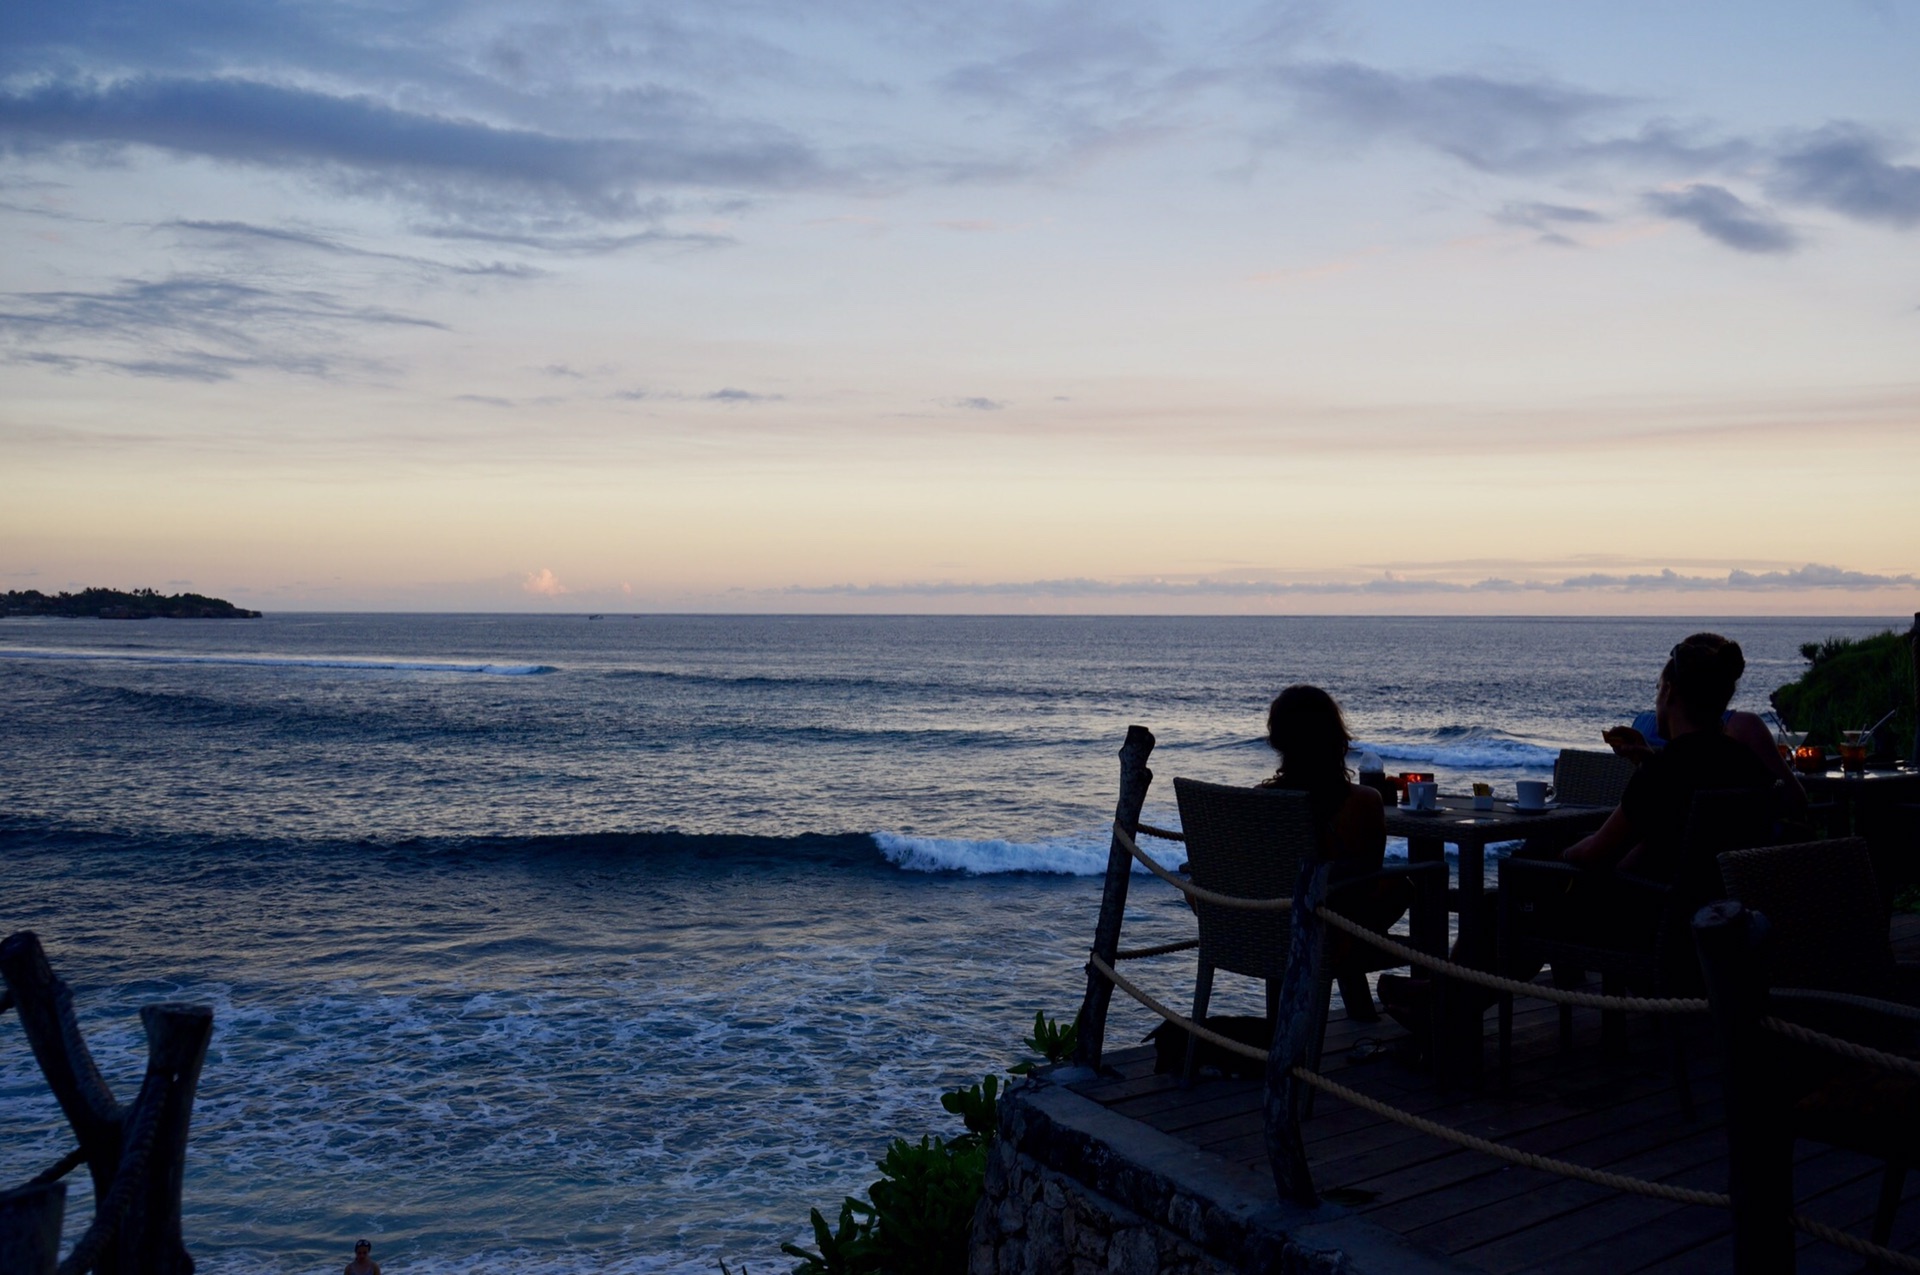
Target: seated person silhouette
1306, 728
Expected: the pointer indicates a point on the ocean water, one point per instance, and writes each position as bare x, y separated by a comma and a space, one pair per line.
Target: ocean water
556, 944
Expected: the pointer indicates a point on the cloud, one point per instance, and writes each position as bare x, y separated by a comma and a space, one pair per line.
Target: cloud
440, 159
1538, 216
1722, 215
978, 404
240, 234
1811, 576
731, 395
1844, 168
189, 327
543, 583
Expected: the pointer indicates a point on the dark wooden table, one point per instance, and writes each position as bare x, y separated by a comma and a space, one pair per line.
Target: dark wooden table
1471, 832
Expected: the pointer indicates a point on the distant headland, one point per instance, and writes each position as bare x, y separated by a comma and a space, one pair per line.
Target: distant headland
112, 604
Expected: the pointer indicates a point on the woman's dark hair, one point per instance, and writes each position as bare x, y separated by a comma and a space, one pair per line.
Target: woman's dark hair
1701, 673
1305, 727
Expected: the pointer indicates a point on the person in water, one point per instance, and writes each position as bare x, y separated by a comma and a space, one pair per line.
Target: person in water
363, 1263
1306, 728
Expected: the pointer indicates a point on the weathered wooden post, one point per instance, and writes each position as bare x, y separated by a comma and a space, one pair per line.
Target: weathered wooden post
1730, 939
1913, 648
1299, 1020
1134, 781
30, 1228
136, 1153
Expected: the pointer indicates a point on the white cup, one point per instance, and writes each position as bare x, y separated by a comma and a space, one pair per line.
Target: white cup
1532, 794
1421, 795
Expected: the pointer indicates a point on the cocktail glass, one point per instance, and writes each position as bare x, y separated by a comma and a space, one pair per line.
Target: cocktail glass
1854, 746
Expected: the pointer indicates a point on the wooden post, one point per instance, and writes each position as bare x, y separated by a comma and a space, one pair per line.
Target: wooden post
1730, 939
148, 1239
45, 1006
1913, 646
1298, 1023
30, 1228
1134, 781
136, 1226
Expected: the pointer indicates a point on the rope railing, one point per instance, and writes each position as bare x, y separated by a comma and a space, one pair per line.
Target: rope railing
1513, 986
1165, 834
1191, 890
1844, 1048
1893, 1009
1137, 953
1512, 1155
61, 1168
1146, 998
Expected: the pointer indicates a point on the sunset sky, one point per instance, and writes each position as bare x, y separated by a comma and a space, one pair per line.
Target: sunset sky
1414, 307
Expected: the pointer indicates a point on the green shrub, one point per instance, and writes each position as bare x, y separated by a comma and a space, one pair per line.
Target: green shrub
1851, 683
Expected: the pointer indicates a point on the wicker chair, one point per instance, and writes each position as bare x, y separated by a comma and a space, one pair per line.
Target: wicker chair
1585, 778
1828, 924
1630, 930
1251, 843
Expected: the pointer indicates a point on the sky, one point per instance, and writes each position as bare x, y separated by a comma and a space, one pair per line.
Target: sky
1475, 307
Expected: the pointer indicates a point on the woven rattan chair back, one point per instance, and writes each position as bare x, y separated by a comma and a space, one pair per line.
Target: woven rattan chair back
1250, 843
1582, 777
1829, 921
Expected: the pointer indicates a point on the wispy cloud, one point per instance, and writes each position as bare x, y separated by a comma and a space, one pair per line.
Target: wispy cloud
731, 395
443, 160
1813, 576
1718, 213
977, 404
1845, 168
190, 328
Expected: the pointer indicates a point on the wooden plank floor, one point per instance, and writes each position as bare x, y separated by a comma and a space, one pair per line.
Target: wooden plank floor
1620, 1114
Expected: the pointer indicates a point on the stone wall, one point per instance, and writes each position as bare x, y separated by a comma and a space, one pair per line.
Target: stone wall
1034, 1221
1074, 1189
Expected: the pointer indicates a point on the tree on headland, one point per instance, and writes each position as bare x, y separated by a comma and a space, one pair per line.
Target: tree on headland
113, 604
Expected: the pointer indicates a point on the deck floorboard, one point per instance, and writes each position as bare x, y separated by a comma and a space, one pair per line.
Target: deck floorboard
1618, 1112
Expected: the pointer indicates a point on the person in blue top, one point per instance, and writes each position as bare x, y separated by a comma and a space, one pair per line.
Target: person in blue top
1647, 736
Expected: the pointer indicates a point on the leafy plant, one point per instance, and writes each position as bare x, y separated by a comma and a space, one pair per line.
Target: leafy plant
1851, 683
1052, 1041
848, 1251
978, 1107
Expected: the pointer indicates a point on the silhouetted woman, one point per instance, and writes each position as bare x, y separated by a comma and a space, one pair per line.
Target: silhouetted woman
1305, 727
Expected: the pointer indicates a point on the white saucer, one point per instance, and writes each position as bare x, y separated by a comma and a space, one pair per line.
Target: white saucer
1519, 809
1424, 814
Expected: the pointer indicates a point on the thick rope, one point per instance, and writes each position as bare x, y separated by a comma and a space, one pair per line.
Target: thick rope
1893, 1009
62, 1167
1526, 1159
1855, 1245
1467, 974
1135, 953
1844, 1048
1193, 891
1204, 1033
1163, 833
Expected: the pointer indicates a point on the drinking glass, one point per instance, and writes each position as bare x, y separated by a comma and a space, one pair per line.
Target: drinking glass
1854, 746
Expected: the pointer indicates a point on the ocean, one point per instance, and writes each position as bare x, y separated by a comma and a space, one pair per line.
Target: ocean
563, 944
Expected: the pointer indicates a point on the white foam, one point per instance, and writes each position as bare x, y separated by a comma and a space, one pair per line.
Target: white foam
1468, 754
1080, 855
282, 661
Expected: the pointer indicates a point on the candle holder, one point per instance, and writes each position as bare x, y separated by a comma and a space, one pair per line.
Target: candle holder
1809, 761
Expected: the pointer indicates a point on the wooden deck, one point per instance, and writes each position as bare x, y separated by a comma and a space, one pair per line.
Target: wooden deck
1619, 1114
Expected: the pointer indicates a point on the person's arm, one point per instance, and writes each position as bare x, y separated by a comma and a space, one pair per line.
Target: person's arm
1360, 829
1605, 848
1748, 729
